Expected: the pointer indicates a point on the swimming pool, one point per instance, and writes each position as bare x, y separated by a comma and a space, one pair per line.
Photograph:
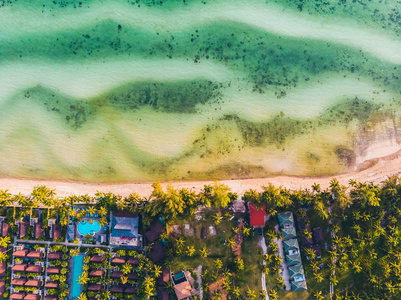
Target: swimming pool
76, 272
85, 228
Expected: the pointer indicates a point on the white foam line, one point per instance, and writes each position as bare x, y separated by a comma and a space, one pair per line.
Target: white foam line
270, 18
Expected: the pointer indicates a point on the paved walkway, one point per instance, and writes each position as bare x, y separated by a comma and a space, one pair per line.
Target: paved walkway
262, 243
199, 280
285, 275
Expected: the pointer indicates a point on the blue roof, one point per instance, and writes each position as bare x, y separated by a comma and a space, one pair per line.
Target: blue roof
125, 226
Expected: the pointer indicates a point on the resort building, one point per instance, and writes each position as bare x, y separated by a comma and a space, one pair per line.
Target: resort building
157, 253
292, 251
181, 285
125, 229
156, 229
257, 215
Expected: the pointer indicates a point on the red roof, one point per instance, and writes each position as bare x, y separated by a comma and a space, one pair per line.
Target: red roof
257, 215
17, 296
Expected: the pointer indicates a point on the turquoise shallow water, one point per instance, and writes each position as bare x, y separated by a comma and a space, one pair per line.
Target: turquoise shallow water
171, 90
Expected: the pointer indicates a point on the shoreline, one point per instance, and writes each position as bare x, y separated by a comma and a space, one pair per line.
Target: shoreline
380, 169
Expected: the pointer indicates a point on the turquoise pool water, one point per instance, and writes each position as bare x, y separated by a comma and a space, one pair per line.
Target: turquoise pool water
76, 272
85, 228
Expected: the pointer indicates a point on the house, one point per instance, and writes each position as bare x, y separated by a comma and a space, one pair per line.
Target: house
131, 290
18, 281
19, 268
125, 229
157, 253
34, 269
133, 276
56, 231
33, 283
133, 261
118, 261
286, 219
5, 229
3, 268
290, 245
297, 272
117, 289
293, 258
21, 253
2, 288
164, 277
23, 228
54, 256
51, 285
156, 228
71, 232
35, 255
289, 233
161, 293
95, 287
181, 285
53, 270
32, 297
17, 296
38, 230
97, 259
318, 234
257, 215
298, 286
96, 273
116, 274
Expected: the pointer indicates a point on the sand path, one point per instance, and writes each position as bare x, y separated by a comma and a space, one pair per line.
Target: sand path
381, 170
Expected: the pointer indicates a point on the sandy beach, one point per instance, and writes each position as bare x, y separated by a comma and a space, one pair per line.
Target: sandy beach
380, 170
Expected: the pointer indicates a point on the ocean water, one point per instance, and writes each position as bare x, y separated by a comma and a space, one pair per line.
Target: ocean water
215, 89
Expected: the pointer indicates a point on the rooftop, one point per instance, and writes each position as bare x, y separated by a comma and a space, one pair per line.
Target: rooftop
257, 215
183, 290
156, 228
286, 219
124, 228
157, 253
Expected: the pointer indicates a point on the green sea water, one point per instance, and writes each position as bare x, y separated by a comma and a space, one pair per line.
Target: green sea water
175, 90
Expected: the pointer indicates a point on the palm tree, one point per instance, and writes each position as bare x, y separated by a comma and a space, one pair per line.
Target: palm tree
204, 252
218, 264
82, 297
216, 218
157, 271
74, 252
251, 294
318, 295
102, 211
5, 198
91, 210
4, 241
127, 268
246, 231
3, 257
83, 279
273, 294
121, 204
262, 294
190, 251
124, 279
231, 243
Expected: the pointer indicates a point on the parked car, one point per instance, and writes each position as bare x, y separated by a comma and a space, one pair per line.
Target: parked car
260, 231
